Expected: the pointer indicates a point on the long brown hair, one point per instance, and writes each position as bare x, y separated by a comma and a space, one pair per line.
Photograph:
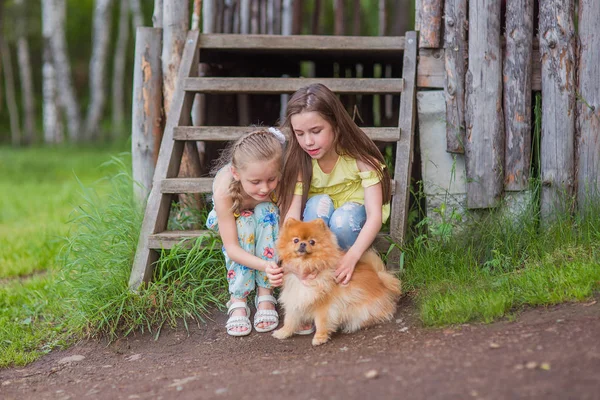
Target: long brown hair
349, 139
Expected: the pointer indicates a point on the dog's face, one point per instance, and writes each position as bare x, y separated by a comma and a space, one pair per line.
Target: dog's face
311, 242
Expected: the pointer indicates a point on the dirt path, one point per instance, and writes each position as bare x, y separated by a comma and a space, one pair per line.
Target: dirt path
549, 353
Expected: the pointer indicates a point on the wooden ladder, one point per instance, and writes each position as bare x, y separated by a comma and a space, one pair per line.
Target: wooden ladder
178, 129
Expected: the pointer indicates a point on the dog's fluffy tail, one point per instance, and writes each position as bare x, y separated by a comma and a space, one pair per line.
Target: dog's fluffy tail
372, 258
390, 282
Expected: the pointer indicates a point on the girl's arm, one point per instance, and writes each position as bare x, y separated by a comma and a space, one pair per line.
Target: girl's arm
295, 210
228, 227
368, 233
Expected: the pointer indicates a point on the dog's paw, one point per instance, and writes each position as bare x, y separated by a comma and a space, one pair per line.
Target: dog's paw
319, 339
282, 334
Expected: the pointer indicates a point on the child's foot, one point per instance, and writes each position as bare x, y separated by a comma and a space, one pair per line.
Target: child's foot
238, 323
266, 318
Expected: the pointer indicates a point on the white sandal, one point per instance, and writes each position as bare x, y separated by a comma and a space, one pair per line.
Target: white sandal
265, 316
238, 321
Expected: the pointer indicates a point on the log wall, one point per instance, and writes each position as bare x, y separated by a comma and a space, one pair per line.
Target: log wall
535, 45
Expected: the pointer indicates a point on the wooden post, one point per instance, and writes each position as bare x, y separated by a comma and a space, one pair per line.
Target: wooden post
484, 144
588, 117
455, 59
517, 93
429, 23
557, 48
146, 116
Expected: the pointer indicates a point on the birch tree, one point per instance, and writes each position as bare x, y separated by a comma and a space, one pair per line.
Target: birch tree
100, 45
9, 86
53, 132
118, 96
25, 76
136, 11
67, 96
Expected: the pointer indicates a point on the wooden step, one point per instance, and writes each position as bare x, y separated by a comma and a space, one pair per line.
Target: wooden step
227, 133
169, 239
198, 185
186, 185
290, 85
303, 43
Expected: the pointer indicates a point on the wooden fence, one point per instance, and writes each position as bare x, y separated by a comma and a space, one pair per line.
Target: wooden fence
487, 57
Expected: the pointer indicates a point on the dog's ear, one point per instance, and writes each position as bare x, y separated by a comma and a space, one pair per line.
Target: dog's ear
320, 223
290, 222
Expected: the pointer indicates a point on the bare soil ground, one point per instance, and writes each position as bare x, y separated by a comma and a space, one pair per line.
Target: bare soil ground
545, 353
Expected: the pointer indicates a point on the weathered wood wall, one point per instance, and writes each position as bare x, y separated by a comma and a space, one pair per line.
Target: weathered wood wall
484, 142
588, 119
498, 114
557, 48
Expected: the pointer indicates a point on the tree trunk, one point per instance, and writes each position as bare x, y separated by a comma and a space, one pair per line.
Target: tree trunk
9, 86
356, 18
53, 131
287, 17
455, 59
557, 48
136, 12
430, 21
67, 95
339, 26
518, 65
25, 77
100, 46
196, 14
157, 15
146, 119
118, 95
485, 125
588, 120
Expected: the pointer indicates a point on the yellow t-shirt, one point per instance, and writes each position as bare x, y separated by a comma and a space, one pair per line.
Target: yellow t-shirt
343, 184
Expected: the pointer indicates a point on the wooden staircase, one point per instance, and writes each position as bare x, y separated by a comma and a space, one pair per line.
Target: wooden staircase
178, 129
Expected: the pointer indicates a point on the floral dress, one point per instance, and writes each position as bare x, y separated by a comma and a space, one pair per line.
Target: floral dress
257, 231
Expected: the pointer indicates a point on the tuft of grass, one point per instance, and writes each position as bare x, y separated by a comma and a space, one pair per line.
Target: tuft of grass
492, 265
97, 263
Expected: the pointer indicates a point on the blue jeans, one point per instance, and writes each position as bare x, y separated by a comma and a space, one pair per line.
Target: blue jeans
257, 231
345, 222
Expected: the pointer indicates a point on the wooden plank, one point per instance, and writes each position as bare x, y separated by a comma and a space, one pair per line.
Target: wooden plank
146, 121
227, 133
195, 185
455, 61
588, 117
432, 74
430, 23
168, 239
167, 166
404, 149
484, 141
186, 185
431, 71
557, 47
296, 43
290, 85
517, 93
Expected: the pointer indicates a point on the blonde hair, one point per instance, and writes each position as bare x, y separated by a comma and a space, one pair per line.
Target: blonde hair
256, 146
349, 139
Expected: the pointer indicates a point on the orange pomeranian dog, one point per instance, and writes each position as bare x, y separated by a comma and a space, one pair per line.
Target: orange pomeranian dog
310, 254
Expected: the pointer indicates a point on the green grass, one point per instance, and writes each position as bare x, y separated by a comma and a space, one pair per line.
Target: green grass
490, 267
70, 228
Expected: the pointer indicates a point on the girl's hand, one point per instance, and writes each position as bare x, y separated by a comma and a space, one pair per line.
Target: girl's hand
274, 273
345, 269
